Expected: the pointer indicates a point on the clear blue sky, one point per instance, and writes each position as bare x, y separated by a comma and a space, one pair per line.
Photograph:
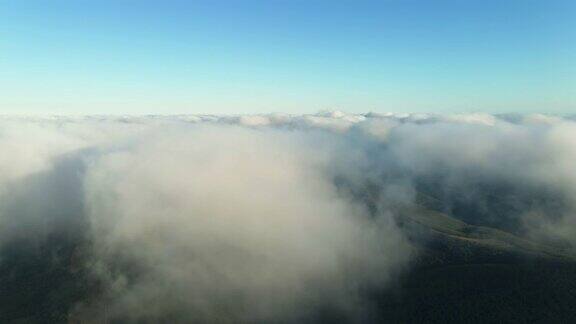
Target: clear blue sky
235, 56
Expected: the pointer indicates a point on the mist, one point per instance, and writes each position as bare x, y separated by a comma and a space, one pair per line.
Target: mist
268, 218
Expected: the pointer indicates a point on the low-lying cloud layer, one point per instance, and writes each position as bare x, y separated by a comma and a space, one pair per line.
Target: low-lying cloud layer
269, 217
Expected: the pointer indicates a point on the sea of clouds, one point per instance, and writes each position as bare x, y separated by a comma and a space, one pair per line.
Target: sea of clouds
278, 217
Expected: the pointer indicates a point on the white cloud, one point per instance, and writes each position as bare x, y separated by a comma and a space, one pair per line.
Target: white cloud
265, 217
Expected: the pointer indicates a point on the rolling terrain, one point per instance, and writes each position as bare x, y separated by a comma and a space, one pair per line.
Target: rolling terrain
476, 274
460, 273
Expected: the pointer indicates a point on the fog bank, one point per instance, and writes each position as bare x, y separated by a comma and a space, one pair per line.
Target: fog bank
269, 217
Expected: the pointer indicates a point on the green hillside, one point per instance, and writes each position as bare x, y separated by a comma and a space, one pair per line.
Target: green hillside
475, 274
461, 273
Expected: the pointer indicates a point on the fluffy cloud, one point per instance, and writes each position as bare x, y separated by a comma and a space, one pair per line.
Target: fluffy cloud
230, 224
270, 217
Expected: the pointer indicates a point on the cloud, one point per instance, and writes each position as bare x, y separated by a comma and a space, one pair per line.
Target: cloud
234, 224
269, 217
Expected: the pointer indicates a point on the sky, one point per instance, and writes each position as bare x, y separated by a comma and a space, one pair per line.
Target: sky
236, 56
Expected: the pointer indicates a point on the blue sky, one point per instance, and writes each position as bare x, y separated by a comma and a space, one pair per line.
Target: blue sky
135, 57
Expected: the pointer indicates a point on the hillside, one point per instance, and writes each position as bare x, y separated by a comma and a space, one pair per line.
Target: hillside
461, 273
475, 274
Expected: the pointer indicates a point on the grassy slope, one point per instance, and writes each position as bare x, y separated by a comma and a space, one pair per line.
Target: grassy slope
474, 274
463, 274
